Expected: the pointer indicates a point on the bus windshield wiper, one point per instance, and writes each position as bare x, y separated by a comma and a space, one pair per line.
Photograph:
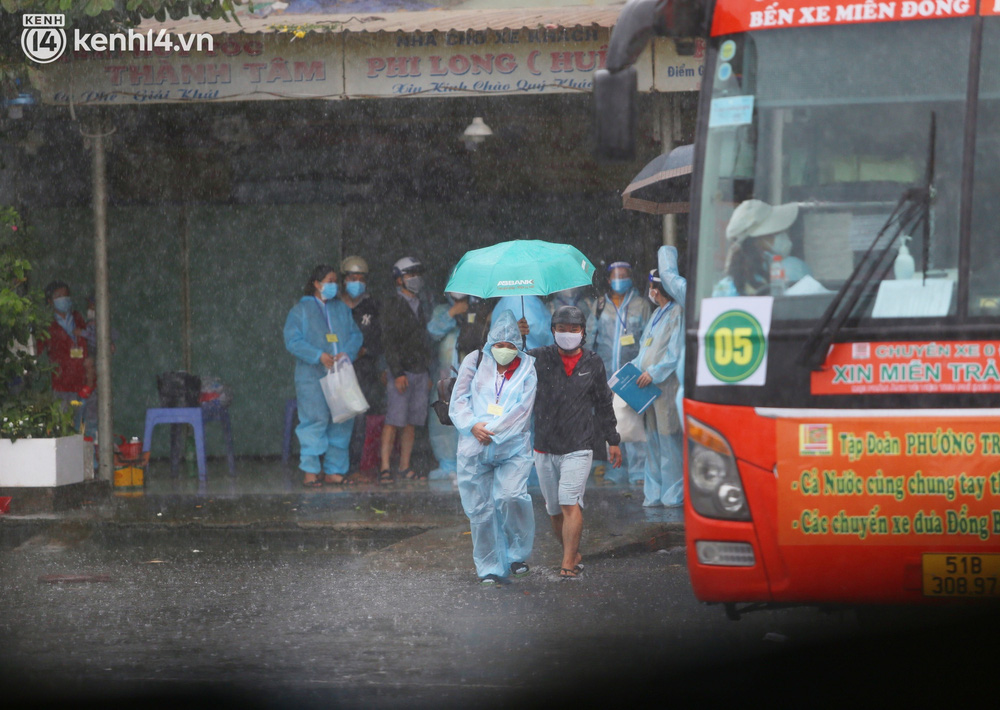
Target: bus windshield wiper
913, 207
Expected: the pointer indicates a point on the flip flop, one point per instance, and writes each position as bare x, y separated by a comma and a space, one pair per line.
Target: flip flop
565, 573
312, 484
328, 482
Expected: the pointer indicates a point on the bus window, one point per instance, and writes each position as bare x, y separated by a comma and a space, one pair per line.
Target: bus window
839, 124
984, 276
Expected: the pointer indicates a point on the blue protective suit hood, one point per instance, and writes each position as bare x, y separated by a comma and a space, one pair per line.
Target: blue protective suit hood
673, 283
504, 329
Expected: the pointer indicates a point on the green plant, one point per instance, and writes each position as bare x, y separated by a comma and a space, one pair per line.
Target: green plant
35, 415
27, 407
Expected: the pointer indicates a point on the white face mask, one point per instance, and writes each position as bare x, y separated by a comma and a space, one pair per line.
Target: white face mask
569, 341
503, 356
652, 298
782, 245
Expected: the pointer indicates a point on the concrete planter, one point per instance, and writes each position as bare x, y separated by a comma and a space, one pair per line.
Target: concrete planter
41, 463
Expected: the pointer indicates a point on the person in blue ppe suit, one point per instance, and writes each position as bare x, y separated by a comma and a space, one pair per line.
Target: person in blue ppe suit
616, 323
580, 297
318, 331
659, 360
443, 327
491, 407
676, 287
535, 319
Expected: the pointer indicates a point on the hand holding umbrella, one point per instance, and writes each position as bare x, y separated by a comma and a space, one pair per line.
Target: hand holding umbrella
521, 267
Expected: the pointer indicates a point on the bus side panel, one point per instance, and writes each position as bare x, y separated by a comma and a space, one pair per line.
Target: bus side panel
851, 575
791, 573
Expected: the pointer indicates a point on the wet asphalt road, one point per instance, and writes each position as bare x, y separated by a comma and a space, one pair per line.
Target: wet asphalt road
347, 626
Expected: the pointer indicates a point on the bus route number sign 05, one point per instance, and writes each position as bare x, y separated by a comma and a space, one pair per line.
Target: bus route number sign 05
961, 575
732, 341
735, 346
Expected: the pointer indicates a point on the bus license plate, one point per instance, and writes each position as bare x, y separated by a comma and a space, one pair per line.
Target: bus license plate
961, 575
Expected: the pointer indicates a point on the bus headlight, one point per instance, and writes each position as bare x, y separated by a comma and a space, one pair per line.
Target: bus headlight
715, 486
708, 470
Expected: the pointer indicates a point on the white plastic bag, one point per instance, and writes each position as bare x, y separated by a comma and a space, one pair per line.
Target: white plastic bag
342, 392
630, 426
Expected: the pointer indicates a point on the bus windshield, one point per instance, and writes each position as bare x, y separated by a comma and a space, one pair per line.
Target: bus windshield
815, 138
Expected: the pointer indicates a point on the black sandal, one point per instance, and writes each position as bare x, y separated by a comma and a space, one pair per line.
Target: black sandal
568, 573
328, 482
385, 478
411, 475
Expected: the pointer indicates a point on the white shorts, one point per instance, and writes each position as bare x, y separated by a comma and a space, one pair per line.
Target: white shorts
563, 478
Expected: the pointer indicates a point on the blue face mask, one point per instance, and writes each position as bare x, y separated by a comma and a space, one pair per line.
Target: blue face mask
329, 291
621, 285
355, 288
63, 304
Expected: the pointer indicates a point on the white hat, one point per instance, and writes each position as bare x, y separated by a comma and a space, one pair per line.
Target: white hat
756, 218
406, 265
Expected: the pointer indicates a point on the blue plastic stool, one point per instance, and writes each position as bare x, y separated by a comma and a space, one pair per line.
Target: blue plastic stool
291, 411
178, 415
213, 411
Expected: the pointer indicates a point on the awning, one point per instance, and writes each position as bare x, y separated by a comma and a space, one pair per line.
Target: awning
430, 21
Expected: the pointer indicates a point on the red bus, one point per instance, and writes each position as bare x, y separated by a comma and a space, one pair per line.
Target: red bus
842, 381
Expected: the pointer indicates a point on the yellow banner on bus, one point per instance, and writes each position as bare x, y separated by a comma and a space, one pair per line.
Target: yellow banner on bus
892, 481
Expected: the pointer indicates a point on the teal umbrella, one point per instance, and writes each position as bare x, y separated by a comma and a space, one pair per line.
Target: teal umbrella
523, 267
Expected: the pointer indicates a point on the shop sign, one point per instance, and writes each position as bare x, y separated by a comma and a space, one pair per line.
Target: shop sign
358, 65
239, 68
480, 63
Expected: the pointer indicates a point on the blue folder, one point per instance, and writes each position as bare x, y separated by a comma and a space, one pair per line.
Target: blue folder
622, 383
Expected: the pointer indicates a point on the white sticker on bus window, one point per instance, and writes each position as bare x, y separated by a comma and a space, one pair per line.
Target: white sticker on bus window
731, 111
732, 340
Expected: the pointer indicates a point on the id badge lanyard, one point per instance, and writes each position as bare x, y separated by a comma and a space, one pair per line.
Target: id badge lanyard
68, 324
495, 409
620, 334
659, 316
331, 337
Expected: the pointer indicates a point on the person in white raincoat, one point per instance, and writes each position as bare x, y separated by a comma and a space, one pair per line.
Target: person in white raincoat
660, 359
491, 407
617, 322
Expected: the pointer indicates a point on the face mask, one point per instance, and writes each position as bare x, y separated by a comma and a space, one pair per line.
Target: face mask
621, 285
782, 245
63, 304
503, 356
329, 291
413, 284
569, 341
355, 288
91, 315
651, 295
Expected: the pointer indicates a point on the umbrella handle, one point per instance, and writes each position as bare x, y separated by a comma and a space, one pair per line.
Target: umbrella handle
524, 338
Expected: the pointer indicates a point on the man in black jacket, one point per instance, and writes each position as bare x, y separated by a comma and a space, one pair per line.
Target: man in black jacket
356, 296
573, 413
407, 354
